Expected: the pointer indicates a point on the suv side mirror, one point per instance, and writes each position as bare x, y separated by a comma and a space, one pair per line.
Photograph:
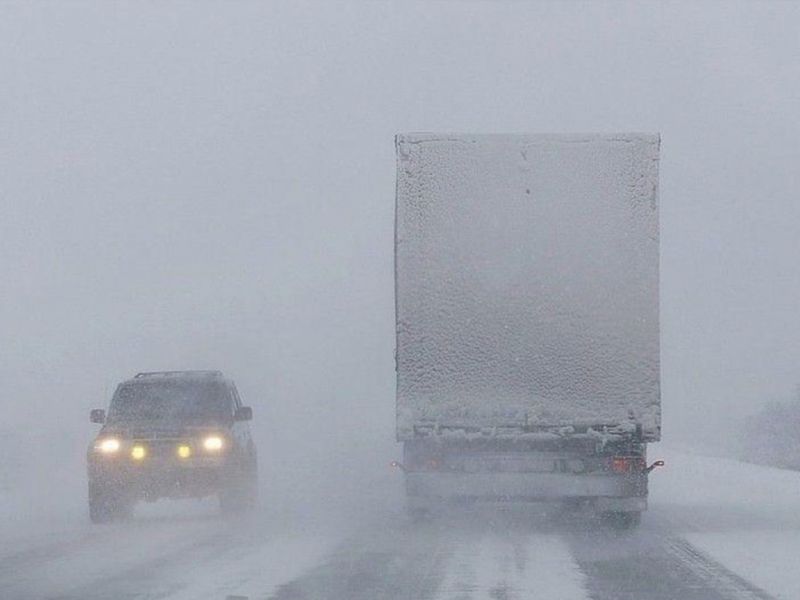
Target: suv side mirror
243, 413
97, 415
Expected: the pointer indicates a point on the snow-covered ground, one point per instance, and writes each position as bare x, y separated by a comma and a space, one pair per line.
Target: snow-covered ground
746, 517
168, 551
717, 529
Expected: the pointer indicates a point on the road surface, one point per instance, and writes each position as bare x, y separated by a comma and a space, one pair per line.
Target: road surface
717, 530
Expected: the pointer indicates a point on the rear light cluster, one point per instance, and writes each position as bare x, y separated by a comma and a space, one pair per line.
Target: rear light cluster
428, 464
621, 465
627, 464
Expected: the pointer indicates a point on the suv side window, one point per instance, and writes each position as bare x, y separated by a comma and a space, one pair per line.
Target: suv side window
237, 402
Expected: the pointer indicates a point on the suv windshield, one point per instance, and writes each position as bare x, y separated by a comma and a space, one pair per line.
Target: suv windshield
172, 401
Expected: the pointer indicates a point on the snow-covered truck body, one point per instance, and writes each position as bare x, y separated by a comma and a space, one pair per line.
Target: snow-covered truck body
526, 284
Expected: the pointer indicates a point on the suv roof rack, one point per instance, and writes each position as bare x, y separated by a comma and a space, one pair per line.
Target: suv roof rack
178, 374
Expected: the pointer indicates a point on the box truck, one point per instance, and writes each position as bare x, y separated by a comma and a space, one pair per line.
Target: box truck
527, 319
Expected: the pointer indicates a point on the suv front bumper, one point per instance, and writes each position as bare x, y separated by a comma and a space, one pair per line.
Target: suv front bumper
158, 478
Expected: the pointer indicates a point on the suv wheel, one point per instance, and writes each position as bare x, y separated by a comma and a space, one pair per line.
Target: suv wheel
241, 492
106, 506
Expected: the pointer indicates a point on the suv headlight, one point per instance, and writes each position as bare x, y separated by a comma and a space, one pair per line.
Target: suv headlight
213, 443
107, 445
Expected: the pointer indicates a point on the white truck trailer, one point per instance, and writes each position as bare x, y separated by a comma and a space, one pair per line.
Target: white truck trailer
527, 318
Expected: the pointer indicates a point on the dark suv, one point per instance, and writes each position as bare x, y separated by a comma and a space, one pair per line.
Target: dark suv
176, 434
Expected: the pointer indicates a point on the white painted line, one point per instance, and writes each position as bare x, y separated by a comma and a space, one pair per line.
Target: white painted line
531, 566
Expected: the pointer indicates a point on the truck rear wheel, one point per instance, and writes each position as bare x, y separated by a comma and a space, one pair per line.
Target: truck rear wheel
419, 516
623, 521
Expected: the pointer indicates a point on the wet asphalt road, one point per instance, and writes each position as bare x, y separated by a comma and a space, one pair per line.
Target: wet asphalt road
187, 551
518, 558
504, 556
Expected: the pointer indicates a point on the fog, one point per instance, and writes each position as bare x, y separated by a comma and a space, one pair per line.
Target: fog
211, 185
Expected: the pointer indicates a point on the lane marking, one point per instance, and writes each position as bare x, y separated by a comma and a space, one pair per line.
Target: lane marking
510, 567
728, 583
255, 571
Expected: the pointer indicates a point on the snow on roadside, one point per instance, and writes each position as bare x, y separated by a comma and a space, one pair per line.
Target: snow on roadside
724, 484
744, 516
767, 559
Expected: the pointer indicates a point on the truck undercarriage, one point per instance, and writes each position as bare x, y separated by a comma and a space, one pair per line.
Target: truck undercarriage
606, 474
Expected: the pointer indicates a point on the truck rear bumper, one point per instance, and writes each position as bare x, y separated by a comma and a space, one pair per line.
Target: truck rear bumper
606, 492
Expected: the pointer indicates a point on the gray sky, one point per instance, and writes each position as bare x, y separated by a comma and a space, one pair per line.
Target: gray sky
211, 185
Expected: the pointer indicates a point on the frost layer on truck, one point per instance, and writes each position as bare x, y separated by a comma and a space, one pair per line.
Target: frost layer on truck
527, 284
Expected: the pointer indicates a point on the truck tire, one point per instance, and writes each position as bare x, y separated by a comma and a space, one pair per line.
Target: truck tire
419, 516
624, 521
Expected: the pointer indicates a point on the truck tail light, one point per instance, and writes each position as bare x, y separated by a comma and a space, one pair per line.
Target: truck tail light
627, 464
424, 463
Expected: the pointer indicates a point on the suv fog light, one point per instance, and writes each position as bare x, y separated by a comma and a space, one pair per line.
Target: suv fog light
184, 451
138, 452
